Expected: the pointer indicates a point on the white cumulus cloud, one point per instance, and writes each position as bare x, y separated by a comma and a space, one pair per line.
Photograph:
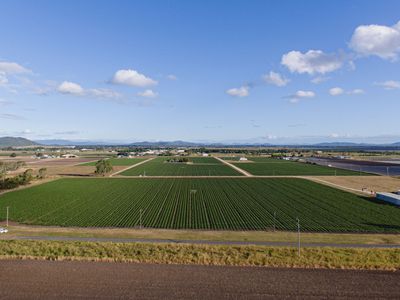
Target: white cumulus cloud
356, 92
336, 91
132, 78
312, 62
75, 89
148, 94
243, 91
12, 68
379, 40
68, 87
389, 84
275, 79
299, 95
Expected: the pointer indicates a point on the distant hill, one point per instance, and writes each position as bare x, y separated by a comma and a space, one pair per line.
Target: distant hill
340, 144
396, 144
165, 144
9, 141
60, 142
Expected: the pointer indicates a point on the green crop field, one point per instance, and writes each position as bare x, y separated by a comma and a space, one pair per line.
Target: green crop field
272, 166
119, 161
203, 203
197, 166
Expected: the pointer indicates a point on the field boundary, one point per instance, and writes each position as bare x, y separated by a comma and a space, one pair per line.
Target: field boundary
196, 242
338, 186
245, 173
132, 166
249, 255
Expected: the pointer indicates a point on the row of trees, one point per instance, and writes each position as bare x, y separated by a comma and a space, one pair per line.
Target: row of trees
9, 166
22, 179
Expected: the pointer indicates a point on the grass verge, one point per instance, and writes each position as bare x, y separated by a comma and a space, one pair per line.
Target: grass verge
332, 258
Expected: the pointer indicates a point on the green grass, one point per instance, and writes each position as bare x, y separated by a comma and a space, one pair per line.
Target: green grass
198, 166
271, 166
119, 161
332, 258
220, 203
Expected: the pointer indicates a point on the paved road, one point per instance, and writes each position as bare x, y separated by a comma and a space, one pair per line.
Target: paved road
201, 242
28, 279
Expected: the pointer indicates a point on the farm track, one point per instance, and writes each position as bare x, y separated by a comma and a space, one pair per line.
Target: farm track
132, 166
245, 173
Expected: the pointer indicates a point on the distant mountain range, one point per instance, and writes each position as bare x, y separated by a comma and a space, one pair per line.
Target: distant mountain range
9, 141
23, 142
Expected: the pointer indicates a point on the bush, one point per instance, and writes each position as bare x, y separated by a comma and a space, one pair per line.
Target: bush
42, 173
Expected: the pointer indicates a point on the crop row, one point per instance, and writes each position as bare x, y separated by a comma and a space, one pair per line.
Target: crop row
198, 166
272, 167
223, 204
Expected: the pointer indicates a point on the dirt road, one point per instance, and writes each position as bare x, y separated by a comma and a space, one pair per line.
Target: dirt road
245, 173
28, 279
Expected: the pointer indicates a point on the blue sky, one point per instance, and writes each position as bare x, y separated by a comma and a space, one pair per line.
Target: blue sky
231, 71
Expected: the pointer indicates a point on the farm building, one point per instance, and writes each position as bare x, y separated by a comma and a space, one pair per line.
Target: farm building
243, 159
69, 156
389, 197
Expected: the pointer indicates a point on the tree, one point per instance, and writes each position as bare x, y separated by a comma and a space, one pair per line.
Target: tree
13, 154
103, 167
27, 176
42, 173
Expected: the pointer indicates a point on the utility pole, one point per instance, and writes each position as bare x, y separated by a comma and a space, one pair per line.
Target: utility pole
298, 231
7, 217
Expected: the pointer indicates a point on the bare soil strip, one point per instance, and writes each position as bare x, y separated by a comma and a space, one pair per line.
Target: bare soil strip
130, 167
93, 280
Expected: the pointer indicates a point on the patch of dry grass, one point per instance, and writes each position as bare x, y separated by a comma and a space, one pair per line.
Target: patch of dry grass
332, 258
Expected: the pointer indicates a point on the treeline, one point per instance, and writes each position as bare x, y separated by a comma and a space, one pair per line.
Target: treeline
10, 166
7, 183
